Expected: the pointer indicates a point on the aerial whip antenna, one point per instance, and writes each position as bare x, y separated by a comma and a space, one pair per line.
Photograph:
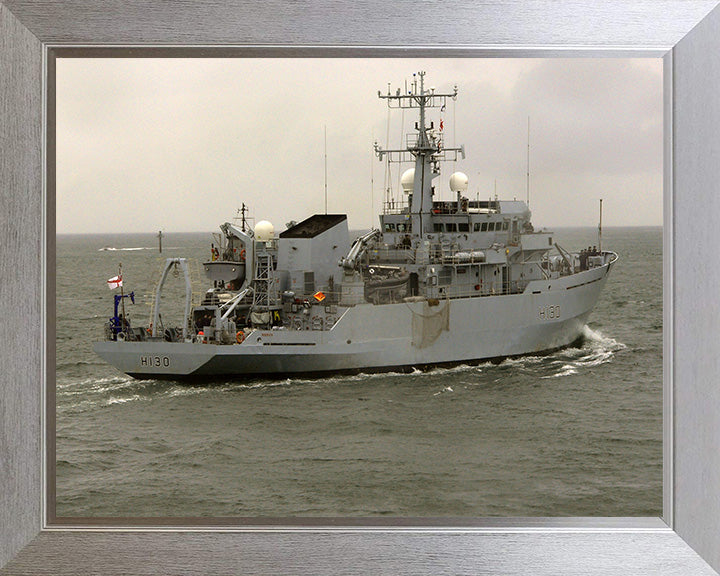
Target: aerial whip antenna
122, 298
528, 164
325, 168
600, 229
372, 180
388, 171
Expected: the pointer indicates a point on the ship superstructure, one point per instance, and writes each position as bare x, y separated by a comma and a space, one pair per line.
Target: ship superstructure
440, 281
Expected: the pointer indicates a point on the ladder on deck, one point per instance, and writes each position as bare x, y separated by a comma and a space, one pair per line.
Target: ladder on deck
263, 296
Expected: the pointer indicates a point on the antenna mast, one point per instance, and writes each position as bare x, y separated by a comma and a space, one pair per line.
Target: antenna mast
372, 184
326, 169
426, 152
600, 229
123, 322
243, 210
528, 164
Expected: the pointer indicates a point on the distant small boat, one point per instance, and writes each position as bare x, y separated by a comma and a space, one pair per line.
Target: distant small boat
112, 249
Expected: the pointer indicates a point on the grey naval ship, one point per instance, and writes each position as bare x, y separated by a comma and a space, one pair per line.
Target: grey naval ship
439, 282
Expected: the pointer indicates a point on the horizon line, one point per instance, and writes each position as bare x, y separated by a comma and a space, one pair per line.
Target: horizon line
120, 233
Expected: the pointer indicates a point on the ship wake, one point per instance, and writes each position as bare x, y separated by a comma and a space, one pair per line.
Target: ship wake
593, 350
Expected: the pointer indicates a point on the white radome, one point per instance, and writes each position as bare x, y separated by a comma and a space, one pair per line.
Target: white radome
407, 181
458, 182
264, 231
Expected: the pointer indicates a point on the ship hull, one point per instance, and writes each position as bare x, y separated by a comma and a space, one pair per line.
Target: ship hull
548, 315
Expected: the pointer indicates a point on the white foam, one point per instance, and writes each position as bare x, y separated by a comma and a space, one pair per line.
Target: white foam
112, 401
597, 349
444, 391
604, 341
567, 370
186, 391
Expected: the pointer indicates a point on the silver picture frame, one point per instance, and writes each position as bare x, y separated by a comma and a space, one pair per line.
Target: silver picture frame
683, 32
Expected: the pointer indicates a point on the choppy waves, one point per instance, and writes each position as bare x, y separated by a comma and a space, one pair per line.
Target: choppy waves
575, 432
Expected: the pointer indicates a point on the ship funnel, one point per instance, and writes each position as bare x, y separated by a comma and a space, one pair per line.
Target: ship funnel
407, 181
264, 231
458, 182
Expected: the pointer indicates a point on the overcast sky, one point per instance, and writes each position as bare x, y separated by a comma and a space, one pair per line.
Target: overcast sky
177, 145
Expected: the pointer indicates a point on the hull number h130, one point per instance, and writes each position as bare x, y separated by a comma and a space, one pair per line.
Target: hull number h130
548, 312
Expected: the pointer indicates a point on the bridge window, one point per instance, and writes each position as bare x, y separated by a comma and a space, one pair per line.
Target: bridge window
463, 227
484, 227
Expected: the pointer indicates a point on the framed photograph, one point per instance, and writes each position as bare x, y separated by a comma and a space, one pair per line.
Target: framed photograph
358, 408
450, 543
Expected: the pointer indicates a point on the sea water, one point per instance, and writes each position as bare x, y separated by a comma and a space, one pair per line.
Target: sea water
574, 433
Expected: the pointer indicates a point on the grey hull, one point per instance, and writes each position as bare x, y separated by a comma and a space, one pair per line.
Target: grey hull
547, 316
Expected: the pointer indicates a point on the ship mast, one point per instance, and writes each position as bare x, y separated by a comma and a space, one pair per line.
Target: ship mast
600, 229
427, 151
243, 211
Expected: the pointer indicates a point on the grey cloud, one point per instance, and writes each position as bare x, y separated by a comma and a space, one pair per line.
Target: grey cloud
179, 145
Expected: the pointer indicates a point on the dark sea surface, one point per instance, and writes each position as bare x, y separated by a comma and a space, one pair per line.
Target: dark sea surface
574, 433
